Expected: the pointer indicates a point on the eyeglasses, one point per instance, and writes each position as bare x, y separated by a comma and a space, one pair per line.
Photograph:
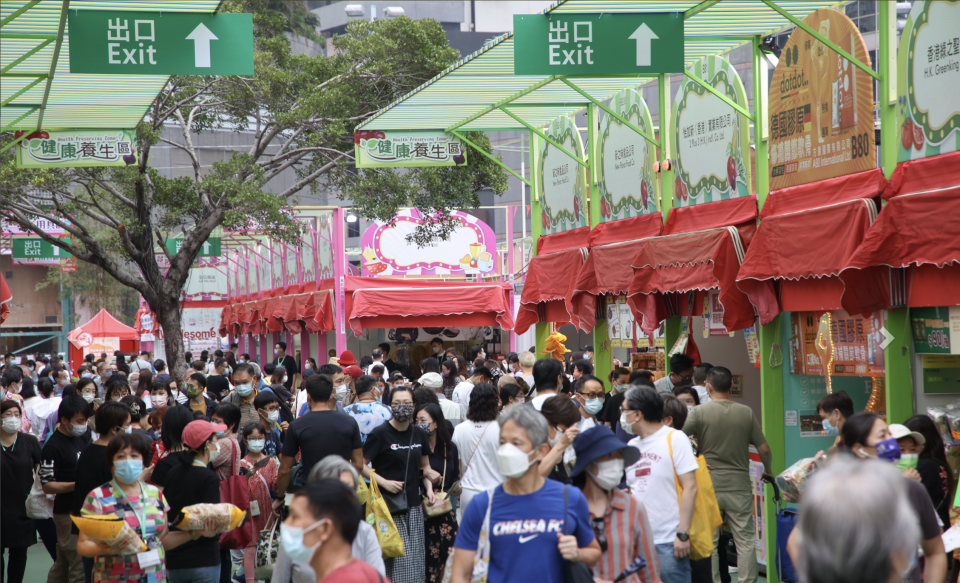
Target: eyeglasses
600, 530
401, 403
591, 395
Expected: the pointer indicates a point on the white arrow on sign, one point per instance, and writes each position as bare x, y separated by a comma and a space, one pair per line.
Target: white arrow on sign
206, 247
201, 37
887, 338
644, 37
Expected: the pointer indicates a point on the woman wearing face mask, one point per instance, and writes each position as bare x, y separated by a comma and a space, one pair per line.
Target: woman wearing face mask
176, 395
448, 370
160, 395
175, 420
552, 520
144, 388
261, 473
19, 460
688, 396
87, 389
192, 482
441, 530
834, 410
277, 380
935, 472
866, 435
562, 418
116, 390
396, 450
619, 521
510, 392
140, 505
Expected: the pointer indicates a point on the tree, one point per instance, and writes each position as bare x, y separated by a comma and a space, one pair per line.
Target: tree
300, 110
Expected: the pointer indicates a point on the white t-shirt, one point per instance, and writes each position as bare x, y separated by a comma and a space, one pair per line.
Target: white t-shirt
539, 399
139, 365
461, 396
651, 479
482, 472
702, 393
451, 411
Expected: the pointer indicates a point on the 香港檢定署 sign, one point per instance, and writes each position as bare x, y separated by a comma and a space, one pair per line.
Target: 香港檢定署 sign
116, 42
76, 148
597, 44
376, 149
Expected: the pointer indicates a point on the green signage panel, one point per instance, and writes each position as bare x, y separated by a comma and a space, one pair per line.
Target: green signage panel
153, 43
37, 248
210, 247
586, 44
77, 148
374, 149
931, 330
941, 373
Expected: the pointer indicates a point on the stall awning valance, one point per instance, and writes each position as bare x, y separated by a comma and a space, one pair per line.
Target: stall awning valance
606, 269
699, 260
316, 311
918, 231
295, 313
550, 278
805, 236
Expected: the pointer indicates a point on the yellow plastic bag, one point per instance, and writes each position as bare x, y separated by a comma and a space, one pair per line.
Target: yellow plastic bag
706, 512
378, 515
363, 493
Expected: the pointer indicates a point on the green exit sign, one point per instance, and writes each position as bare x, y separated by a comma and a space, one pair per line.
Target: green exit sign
598, 44
36, 248
153, 43
210, 247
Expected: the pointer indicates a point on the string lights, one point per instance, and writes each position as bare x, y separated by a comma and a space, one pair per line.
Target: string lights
826, 348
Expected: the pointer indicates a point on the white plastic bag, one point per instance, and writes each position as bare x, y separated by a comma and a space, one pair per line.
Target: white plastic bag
39, 505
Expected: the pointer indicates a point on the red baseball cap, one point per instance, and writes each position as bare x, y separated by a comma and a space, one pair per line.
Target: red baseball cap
354, 371
346, 358
196, 433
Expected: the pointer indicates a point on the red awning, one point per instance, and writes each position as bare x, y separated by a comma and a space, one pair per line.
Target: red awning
550, 278
316, 310
917, 230
700, 260
103, 325
5, 297
270, 323
606, 269
254, 318
806, 234
224, 328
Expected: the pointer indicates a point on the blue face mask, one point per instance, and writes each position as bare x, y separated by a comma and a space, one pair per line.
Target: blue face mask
291, 539
127, 471
593, 406
244, 390
831, 429
888, 449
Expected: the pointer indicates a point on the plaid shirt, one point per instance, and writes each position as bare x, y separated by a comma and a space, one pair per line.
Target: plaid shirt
627, 532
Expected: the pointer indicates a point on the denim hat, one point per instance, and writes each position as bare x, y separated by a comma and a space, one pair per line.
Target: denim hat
597, 442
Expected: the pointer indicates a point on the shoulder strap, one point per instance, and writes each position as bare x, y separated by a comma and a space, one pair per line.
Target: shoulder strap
673, 465
467, 466
406, 467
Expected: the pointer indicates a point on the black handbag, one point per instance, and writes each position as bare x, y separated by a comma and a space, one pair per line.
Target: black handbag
397, 503
576, 572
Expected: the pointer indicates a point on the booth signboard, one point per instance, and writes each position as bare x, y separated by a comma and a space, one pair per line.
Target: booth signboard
586, 44
308, 254
113, 42
941, 373
713, 139
470, 249
621, 328
625, 174
76, 148
562, 180
276, 259
449, 334
207, 283
325, 245
199, 329
736, 386
932, 330
856, 341
290, 260
98, 344
821, 105
928, 81
713, 316
390, 149
263, 265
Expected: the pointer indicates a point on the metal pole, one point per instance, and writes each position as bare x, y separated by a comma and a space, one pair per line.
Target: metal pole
339, 280
510, 269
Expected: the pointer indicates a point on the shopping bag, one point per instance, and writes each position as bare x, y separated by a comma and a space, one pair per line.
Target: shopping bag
363, 493
706, 512
481, 560
235, 490
39, 505
786, 520
378, 515
267, 548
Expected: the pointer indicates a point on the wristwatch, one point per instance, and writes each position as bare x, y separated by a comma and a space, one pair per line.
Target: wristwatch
683, 536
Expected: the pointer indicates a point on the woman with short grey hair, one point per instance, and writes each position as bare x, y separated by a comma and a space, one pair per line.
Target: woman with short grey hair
856, 525
365, 545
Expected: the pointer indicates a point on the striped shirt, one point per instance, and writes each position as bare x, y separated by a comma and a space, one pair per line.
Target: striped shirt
627, 531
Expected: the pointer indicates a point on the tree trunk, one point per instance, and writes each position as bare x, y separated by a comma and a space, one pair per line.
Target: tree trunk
169, 316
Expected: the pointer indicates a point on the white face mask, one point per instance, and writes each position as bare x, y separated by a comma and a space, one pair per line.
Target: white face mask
341, 393
512, 461
285, 379
255, 445
272, 416
626, 426
609, 474
88, 397
159, 401
11, 424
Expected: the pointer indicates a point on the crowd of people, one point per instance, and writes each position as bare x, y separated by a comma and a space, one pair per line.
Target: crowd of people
516, 470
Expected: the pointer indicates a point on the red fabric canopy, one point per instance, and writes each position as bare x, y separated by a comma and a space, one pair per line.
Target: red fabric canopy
387, 303
690, 261
316, 311
224, 328
5, 297
606, 269
103, 325
548, 284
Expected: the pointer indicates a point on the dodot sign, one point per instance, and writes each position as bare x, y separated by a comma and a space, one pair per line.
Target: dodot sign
598, 44
153, 43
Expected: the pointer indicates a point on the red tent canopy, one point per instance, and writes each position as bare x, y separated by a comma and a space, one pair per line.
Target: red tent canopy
550, 278
5, 297
605, 270
103, 325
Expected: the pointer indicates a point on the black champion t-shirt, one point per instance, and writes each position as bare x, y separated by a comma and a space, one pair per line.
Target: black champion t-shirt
387, 449
58, 463
318, 434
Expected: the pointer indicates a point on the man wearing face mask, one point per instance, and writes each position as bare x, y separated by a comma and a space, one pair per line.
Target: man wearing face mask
620, 521
58, 473
268, 406
589, 395
196, 392
536, 525
281, 358
834, 410
243, 394
318, 433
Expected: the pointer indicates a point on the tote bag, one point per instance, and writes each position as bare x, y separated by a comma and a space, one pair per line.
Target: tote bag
378, 515
481, 560
706, 511
235, 491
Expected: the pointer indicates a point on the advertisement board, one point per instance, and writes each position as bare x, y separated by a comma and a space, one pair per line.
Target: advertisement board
928, 80
855, 345
821, 105
376, 149
713, 139
76, 148
562, 179
625, 174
